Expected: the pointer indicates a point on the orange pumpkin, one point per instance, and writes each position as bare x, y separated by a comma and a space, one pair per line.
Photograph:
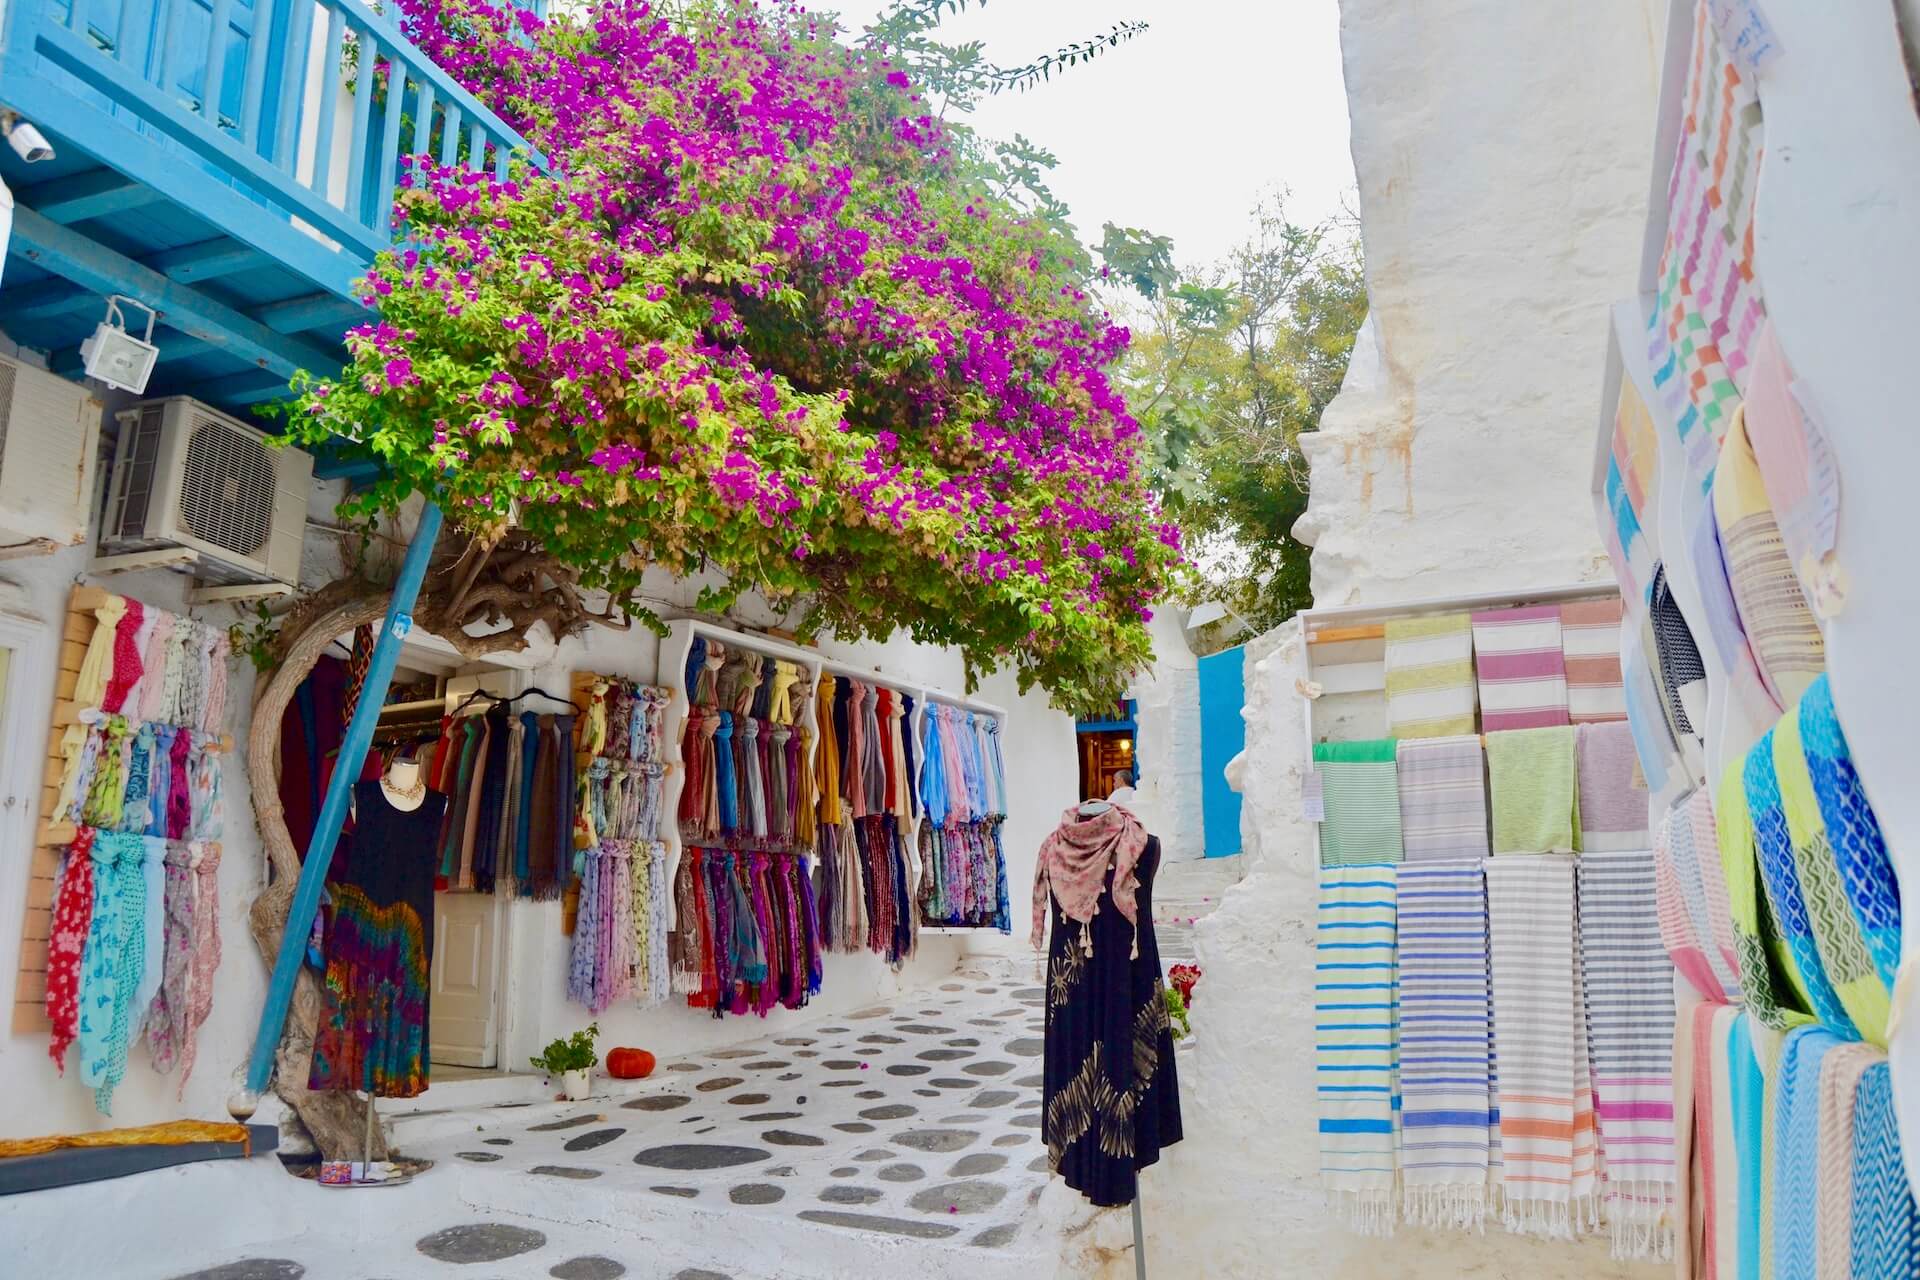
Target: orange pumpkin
630, 1064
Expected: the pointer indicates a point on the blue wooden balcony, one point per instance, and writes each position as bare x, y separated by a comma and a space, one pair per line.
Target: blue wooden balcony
223, 161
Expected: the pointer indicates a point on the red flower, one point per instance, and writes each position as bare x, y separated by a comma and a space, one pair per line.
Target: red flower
1183, 977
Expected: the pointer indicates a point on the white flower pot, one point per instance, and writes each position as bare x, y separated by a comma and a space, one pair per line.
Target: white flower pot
576, 1085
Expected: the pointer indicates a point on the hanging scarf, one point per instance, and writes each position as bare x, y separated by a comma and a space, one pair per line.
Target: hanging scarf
125, 668
1073, 864
152, 687
72, 924
1853, 832
110, 965
1797, 1167
584, 963
1680, 902
179, 801
1786, 897
527, 743
1844, 1068
153, 926
205, 862
168, 1013
96, 668
203, 766
1762, 956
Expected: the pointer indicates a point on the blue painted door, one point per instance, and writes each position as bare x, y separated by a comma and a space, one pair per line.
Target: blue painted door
1223, 691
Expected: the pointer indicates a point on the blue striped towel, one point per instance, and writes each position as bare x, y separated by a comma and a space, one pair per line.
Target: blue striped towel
1356, 1024
1796, 1152
1886, 1232
1445, 1043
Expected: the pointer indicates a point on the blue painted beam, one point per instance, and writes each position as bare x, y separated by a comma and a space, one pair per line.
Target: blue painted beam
206, 260
333, 810
345, 466
314, 311
252, 387
92, 265
80, 196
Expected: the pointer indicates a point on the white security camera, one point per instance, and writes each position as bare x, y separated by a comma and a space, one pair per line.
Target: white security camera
28, 142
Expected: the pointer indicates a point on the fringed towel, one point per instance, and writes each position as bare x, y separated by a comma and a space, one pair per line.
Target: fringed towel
1706, 1202
1797, 1164
1886, 1230
1430, 686
1445, 1079
1362, 822
1629, 998
1357, 1033
1840, 1077
1536, 801
1853, 831
1443, 798
1764, 988
1613, 798
1546, 1100
1785, 640
1590, 642
1843, 952
1522, 669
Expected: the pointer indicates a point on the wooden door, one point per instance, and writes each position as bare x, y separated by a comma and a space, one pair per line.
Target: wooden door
461, 1017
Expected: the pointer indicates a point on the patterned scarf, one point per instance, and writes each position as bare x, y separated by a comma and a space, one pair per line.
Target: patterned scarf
111, 964
206, 952
1853, 831
1762, 958
1781, 875
72, 921
1443, 798
1845, 1066
1073, 865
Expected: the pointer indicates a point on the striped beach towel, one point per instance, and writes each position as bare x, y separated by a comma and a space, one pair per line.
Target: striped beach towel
1534, 795
1362, 802
1613, 797
1521, 666
1849, 968
1356, 1034
1708, 302
1445, 1029
1629, 998
1785, 640
1853, 832
1590, 644
1705, 851
1796, 1150
1840, 1077
1443, 798
1546, 1099
1886, 1230
1430, 688
1706, 1206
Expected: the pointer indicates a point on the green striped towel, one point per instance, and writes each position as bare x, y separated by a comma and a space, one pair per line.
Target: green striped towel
1535, 796
1360, 788
1431, 692
1357, 1043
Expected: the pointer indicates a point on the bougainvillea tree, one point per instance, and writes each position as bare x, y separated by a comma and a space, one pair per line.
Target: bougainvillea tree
753, 316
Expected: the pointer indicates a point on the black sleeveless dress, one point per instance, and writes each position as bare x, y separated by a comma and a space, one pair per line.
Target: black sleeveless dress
1111, 1097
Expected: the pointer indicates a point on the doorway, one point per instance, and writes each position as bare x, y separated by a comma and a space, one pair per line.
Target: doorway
1107, 746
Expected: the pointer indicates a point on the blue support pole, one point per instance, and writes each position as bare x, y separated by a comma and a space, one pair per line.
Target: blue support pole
333, 810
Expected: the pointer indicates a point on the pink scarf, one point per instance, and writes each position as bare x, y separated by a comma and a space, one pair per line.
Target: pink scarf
1073, 863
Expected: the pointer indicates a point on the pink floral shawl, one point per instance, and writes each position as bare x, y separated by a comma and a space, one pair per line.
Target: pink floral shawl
1073, 864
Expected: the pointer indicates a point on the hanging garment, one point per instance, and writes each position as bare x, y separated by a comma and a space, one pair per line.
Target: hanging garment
112, 960
379, 953
1546, 1100
1519, 660
198, 1004
96, 667
166, 1019
71, 926
1844, 1067
1112, 1098
1590, 644
1429, 671
1442, 788
1357, 1038
1612, 798
1534, 790
1765, 988
1362, 802
1445, 1053
1628, 993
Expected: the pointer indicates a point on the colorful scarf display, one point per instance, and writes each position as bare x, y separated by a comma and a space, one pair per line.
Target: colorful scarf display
1612, 798
1446, 1047
1628, 989
113, 960
862, 880
1443, 798
515, 794
744, 771
1547, 1138
1362, 802
1535, 794
962, 786
1429, 669
1519, 657
1357, 1038
1590, 643
747, 931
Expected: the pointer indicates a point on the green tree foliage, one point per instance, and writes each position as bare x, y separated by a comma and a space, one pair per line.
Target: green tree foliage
1230, 366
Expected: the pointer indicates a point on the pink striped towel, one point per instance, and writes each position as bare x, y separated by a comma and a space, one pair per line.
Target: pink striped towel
1590, 639
1521, 666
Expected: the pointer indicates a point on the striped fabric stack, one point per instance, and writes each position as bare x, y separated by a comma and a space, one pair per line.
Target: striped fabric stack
1522, 667
1429, 673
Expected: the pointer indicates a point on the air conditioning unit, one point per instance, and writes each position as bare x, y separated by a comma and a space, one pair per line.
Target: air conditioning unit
188, 477
49, 437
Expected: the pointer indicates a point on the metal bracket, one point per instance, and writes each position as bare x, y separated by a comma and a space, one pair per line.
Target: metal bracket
132, 561
239, 591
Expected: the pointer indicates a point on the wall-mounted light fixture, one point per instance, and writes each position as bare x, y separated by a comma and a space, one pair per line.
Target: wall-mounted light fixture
30, 144
115, 356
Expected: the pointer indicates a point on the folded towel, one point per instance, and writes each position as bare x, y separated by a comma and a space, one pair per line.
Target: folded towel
1536, 802
1357, 1043
1443, 797
1445, 1045
1429, 665
1522, 669
1362, 802
1613, 798
1590, 642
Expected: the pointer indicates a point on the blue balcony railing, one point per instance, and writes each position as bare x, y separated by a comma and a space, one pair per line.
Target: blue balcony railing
266, 97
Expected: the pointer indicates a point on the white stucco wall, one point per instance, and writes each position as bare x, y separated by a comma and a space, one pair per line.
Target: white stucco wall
1167, 710
1503, 150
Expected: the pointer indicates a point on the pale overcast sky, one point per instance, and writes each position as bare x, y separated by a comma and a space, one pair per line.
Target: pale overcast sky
1181, 129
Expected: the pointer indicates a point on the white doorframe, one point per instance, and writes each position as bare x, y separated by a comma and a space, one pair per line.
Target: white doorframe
29, 679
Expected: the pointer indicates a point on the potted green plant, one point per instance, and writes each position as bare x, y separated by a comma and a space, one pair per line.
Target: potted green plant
571, 1061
